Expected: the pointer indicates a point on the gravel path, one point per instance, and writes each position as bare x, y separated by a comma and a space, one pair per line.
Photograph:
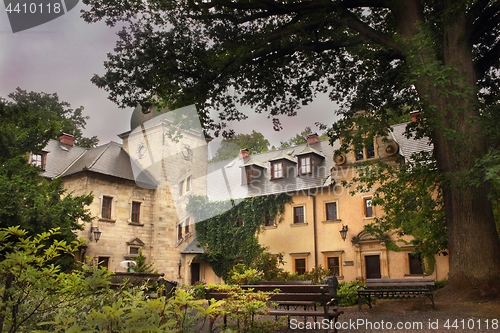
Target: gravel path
407, 316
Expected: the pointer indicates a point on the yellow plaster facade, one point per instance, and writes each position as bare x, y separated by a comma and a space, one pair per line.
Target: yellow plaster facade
317, 240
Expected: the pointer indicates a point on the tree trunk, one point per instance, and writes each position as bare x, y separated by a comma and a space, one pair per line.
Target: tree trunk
449, 98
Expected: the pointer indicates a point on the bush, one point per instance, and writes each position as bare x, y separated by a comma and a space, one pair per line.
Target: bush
347, 293
440, 284
241, 274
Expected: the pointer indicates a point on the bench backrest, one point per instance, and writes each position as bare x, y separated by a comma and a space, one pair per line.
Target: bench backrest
287, 292
286, 282
410, 282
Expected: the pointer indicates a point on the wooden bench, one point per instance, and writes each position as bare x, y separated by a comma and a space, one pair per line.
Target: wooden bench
396, 288
298, 300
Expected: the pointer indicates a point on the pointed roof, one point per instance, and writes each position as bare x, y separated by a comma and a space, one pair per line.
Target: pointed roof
309, 150
193, 248
109, 159
253, 162
283, 156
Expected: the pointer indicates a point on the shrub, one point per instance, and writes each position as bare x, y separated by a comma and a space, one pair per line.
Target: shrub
241, 274
440, 284
347, 293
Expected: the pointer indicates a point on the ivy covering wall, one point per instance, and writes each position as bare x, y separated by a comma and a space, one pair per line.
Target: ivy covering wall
231, 236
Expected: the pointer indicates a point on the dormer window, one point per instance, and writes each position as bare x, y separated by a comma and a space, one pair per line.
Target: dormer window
305, 165
251, 170
248, 176
277, 170
38, 159
282, 165
308, 159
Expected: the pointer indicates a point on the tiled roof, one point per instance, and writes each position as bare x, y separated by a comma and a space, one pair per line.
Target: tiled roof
282, 155
309, 150
109, 159
193, 247
252, 162
59, 158
225, 179
409, 146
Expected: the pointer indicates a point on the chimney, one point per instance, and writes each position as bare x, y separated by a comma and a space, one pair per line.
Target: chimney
67, 139
415, 116
312, 138
244, 153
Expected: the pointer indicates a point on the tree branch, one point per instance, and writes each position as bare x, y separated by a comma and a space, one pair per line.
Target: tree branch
489, 59
486, 20
371, 34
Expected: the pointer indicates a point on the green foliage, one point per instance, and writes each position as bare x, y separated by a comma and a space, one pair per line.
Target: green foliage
142, 265
230, 147
197, 290
58, 114
242, 306
131, 311
265, 267
317, 275
346, 293
34, 289
226, 242
301, 138
26, 199
240, 275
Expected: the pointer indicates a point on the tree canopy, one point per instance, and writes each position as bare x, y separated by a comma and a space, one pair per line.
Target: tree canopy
382, 56
59, 114
26, 199
300, 138
230, 147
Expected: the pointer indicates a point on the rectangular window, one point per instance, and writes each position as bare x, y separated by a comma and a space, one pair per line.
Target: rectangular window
298, 214
331, 211
277, 170
103, 262
249, 174
187, 225
181, 188
107, 203
134, 250
136, 212
300, 266
415, 264
359, 152
269, 221
305, 165
37, 159
179, 231
370, 151
188, 184
368, 207
333, 265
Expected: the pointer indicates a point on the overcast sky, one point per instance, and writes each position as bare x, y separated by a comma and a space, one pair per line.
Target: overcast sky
62, 55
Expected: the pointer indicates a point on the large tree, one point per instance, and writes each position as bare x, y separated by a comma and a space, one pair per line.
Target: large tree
68, 120
383, 56
27, 200
230, 147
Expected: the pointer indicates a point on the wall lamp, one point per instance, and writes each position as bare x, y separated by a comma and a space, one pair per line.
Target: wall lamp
343, 232
95, 234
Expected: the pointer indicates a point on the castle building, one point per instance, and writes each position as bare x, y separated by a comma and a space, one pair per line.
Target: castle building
141, 188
